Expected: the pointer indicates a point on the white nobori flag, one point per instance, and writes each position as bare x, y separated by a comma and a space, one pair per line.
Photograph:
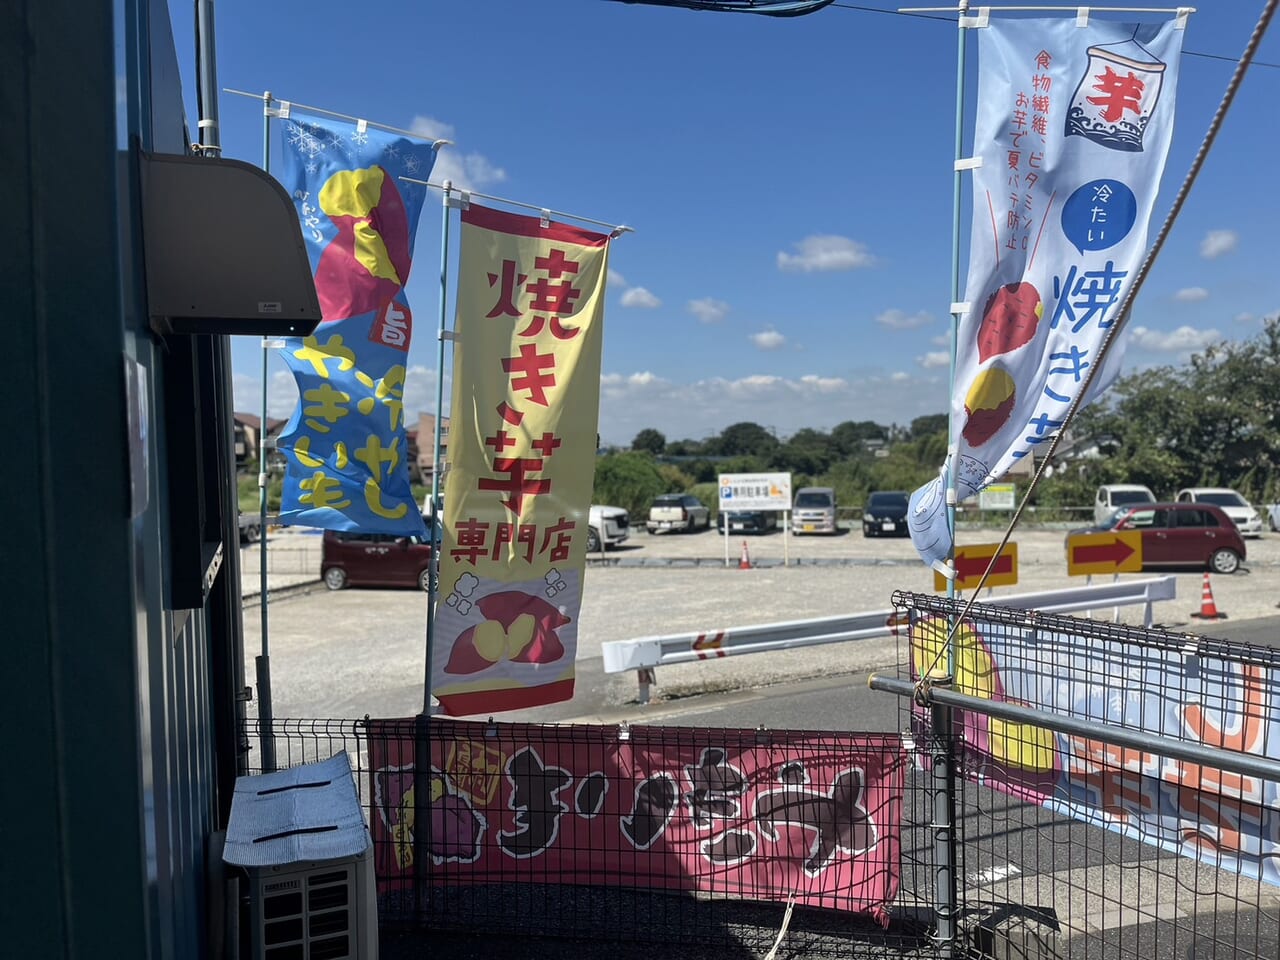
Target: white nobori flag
1073, 128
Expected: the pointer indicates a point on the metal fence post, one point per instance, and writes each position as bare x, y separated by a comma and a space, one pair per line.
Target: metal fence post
943, 784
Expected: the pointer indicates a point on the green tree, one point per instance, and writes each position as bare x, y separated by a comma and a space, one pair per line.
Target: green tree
627, 480
746, 439
927, 426
807, 451
649, 440
850, 438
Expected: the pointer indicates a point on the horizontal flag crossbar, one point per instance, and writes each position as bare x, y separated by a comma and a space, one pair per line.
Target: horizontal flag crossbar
546, 212
645, 653
1072, 8
288, 106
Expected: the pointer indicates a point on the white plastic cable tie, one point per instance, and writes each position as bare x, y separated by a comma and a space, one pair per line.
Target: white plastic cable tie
449, 335
362, 126
1082, 17
980, 22
272, 344
205, 124
952, 500
1180, 22
968, 163
960, 308
546, 218
945, 569
283, 111
262, 479
462, 201
953, 450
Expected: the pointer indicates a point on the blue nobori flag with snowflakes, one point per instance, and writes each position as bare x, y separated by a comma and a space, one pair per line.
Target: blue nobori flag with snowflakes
345, 445
1073, 128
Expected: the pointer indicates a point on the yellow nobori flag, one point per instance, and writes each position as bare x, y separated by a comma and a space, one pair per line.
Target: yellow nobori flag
522, 442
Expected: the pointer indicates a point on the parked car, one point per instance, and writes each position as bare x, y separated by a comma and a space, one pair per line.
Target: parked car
814, 510
885, 513
747, 521
606, 527
1180, 535
250, 527
678, 511
1112, 496
1233, 505
351, 559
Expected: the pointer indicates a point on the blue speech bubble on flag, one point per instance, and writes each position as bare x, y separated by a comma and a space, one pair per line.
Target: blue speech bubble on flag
1099, 214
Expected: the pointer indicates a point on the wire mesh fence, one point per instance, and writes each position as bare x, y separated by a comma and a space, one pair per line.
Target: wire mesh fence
1126, 820
681, 839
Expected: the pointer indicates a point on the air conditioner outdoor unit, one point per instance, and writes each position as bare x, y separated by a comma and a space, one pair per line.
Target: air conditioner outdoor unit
300, 837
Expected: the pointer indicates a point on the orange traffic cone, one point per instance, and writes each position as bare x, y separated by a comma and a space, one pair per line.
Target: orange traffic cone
745, 562
1208, 609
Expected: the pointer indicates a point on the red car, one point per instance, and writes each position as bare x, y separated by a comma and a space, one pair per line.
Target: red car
374, 560
1182, 535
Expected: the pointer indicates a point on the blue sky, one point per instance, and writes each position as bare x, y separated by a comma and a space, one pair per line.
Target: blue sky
789, 182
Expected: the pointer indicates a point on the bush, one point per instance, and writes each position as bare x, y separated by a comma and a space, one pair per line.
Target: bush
628, 480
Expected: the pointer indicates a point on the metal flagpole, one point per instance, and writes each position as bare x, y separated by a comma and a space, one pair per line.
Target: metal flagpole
957, 184
433, 585
942, 770
422, 726
263, 661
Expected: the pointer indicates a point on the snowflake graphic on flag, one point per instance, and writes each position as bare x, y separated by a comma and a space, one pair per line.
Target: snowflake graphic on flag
306, 141
412, 164
359, 137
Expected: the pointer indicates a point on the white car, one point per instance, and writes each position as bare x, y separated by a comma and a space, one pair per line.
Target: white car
606, 527
1232, 503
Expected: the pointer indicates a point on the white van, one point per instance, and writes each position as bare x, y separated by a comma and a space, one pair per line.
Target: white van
1113, 496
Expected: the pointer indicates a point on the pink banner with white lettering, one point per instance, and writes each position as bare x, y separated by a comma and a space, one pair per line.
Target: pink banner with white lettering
759, 816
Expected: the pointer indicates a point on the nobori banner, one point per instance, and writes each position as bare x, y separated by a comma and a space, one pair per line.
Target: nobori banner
1226, 819
755, 491
345, 445
522, 450
1073, 127
758, 816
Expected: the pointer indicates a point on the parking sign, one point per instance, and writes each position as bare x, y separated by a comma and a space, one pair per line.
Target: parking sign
755, 491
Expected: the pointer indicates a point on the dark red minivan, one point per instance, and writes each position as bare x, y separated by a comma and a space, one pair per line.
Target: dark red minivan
374, 560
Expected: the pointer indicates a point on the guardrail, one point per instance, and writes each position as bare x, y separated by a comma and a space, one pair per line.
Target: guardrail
645, 654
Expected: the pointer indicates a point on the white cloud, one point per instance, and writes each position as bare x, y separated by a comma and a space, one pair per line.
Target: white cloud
896, 319
640, 297
934, 359
1218, 242
825, 252
631, 402
1184, 340
899, 376
1245, 317
708, 309
615, 279
468, 171
768, 339
1191, 294
824, 384
941, 340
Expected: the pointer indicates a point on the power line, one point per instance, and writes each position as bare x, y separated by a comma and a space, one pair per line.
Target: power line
859, 8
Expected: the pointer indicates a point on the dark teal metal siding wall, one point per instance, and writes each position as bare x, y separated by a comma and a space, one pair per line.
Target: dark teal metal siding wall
121, 712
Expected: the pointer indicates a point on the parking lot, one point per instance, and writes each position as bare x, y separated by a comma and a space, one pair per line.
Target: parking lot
347, 653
